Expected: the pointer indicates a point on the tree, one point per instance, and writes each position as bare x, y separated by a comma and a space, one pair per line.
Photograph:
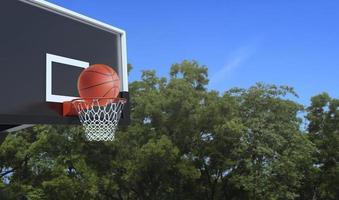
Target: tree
276, 152
237, 141
203, 125
44, 163
323, 131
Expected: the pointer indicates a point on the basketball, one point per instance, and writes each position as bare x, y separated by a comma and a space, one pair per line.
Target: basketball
98, 81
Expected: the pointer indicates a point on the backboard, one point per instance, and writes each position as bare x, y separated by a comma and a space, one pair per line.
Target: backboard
43, 49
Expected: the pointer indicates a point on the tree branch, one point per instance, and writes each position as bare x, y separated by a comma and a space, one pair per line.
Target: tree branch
7, 172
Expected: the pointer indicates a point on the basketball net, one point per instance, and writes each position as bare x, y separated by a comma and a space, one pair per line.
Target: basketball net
99, 116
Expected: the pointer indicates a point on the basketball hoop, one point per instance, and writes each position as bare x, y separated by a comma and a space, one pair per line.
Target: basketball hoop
99, 116
98, 107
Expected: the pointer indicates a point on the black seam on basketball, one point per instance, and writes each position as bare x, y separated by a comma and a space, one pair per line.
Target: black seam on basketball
118, 79
108, 70
108, 91
95, 85
98, 73
114, 80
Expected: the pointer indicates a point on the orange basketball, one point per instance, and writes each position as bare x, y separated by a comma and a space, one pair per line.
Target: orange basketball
98, 81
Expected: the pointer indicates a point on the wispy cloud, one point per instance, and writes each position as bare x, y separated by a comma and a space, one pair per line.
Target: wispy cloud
233, 61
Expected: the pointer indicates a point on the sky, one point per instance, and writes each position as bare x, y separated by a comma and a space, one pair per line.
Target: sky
284, 42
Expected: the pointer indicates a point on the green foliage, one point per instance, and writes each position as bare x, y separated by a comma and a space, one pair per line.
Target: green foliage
323, 131
275, 150
184, 142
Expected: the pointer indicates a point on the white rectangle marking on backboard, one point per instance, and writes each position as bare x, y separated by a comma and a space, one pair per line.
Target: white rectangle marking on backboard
50, 58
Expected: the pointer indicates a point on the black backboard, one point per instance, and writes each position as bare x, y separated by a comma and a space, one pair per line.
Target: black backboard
43, 49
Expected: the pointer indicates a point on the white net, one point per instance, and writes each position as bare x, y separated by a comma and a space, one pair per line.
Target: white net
99, 117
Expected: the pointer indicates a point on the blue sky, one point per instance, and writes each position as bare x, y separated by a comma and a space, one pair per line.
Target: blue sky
242, 42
